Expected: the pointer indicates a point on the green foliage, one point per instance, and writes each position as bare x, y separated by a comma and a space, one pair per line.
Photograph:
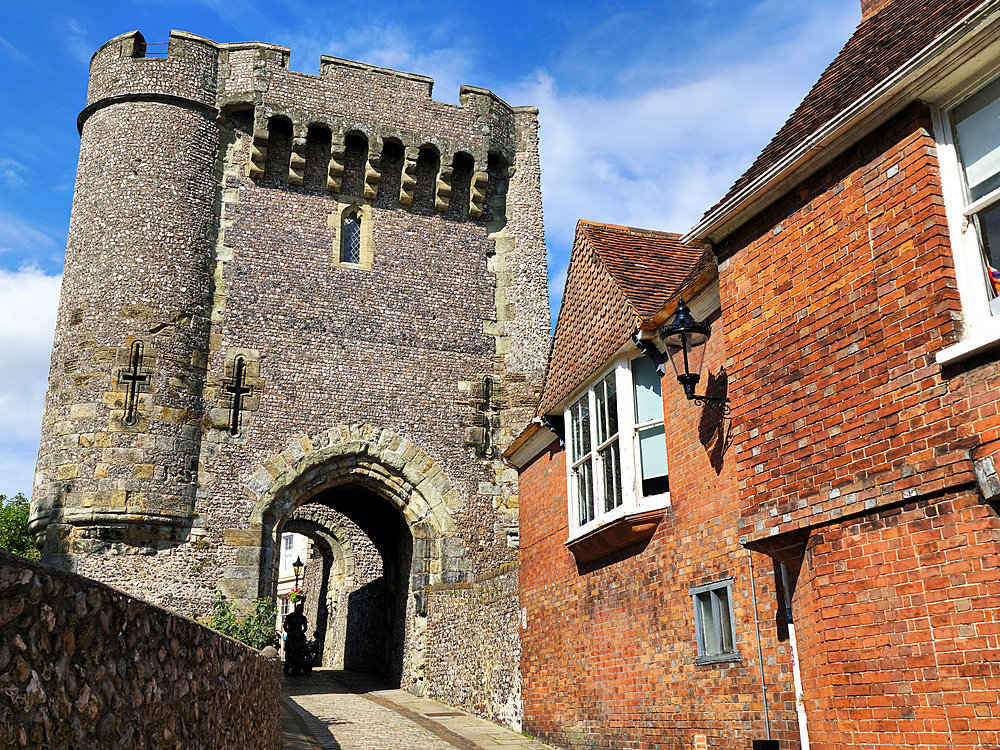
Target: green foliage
14, 535
254, 628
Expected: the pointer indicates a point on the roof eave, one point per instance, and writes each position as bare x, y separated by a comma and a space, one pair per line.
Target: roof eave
922, 74
533, 440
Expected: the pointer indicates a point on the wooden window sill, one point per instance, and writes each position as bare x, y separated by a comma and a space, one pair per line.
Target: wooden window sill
621, 532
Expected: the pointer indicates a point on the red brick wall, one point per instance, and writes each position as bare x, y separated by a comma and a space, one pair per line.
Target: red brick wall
608, 655
836, 300
898, 628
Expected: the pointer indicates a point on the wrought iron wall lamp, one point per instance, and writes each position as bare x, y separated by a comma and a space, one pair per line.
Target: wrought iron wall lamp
684, 341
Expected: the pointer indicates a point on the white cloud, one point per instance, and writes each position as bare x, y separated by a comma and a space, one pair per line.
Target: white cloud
28, 302
394, 47
18, 234
15, 53
660, 156
76, 41
11, 171
17, 466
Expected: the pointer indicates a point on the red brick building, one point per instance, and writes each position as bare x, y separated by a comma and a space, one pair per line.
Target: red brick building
639, 624
861, 343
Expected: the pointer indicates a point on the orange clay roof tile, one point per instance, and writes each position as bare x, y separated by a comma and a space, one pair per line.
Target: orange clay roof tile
618, 279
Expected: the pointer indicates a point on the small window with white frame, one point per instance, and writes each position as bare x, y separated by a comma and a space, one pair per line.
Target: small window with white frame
714, 622
617, 446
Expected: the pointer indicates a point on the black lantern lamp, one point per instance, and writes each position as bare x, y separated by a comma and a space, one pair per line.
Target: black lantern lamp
297, 567
684, 340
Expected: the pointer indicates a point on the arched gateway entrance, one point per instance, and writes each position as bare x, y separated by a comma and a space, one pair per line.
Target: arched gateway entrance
399, 497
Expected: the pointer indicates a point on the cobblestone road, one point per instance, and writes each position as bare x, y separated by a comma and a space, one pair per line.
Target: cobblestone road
332, 710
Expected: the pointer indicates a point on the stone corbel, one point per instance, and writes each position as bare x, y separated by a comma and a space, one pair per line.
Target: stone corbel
335, 173
373, 174
408, 177
442, 187
297, 159
258, 153
477, 194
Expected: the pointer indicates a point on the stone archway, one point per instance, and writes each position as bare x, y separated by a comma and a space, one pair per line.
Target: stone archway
333, 551
361, 458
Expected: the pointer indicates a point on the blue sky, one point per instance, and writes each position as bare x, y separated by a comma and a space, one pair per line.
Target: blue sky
649, 111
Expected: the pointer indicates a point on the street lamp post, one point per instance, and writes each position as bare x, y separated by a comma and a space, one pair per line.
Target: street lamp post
297, 567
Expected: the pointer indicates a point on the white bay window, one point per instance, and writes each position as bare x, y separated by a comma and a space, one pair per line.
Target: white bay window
976, 124
617, 446
967, 125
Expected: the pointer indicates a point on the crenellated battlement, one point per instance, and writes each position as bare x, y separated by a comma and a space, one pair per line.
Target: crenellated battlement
390, 111
235, 76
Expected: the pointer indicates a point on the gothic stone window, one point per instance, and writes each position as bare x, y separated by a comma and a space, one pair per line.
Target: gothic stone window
714, 623
350, 240
617, 446
352, 234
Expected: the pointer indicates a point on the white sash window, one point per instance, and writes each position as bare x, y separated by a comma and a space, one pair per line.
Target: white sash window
617, 446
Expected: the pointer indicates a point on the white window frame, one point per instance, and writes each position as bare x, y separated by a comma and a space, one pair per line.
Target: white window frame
981, 324
716, 591
628, 441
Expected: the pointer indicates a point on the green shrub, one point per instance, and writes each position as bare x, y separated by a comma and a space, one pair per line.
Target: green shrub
254, 627
14, 535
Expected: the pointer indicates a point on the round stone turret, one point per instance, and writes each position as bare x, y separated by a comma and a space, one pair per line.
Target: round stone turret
121, 432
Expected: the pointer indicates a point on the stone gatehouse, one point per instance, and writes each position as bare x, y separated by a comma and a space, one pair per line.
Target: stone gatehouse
284, 289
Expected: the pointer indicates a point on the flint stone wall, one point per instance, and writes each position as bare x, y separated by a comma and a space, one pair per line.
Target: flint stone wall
84, 666
475, 649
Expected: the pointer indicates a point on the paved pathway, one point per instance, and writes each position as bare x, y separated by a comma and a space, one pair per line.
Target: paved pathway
333, 710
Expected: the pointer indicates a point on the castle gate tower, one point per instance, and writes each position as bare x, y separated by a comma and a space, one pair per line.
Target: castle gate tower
284, 289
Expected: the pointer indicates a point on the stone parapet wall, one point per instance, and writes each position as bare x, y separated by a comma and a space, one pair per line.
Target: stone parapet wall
474, 653
83, 665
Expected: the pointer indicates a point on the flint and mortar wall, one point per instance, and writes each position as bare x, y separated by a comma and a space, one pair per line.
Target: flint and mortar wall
456, 292
85, 666
224, 178
341, 551
474, 645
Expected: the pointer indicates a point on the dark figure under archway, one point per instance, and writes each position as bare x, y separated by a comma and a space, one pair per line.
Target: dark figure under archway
372, 615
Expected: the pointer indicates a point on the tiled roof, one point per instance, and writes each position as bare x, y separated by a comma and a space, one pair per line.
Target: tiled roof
881, 45
618, 279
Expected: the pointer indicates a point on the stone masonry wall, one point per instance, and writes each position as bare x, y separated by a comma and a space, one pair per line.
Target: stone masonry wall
85, 666
354, 564
222, 355
475, 650
151, 458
